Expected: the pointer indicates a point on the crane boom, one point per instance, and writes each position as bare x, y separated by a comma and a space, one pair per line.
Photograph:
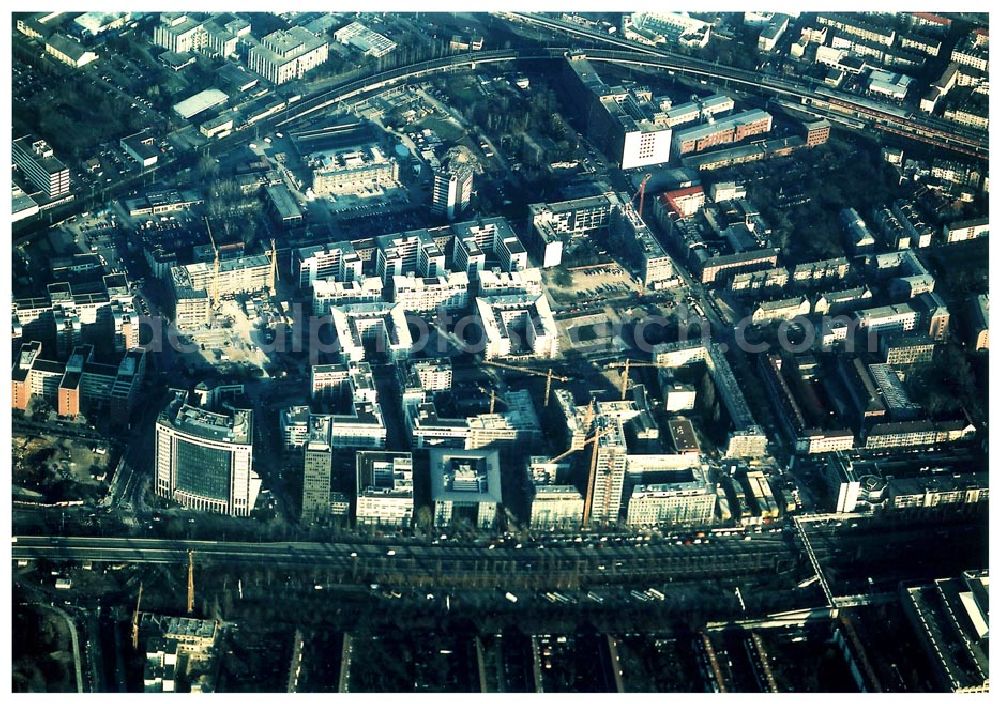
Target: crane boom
627, 365
135, 620
217, 265
549, 376
190, 590
642, 192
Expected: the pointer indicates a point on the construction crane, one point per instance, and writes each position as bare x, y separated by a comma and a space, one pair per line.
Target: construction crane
494, 397
549, 376
217, 266
628, 364
642, 192
592, 471
272, 277
135, 620
190, 595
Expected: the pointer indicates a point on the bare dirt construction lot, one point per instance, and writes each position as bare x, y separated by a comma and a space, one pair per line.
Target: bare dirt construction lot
579, 286
57, 469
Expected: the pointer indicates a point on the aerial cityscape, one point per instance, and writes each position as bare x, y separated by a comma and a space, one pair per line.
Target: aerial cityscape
500, 352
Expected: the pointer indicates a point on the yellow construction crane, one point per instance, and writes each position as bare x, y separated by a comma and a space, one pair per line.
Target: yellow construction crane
214, 295
592, 471
135, 620
190, 599
494, 397
549, 376
628, 364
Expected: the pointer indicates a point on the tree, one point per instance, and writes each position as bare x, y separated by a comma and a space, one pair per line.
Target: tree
563, 278
423, 519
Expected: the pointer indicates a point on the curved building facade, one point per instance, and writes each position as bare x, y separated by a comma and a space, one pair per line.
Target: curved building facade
204, 458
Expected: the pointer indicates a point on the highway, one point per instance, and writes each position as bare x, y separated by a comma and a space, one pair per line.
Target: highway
447, 564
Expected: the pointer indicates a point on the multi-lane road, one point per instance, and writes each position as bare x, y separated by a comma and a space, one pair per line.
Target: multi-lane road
446, 564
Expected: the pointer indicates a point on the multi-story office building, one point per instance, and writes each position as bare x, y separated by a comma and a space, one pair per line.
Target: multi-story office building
382, 323
631, 132
316, 467
494, 282
611, 465
726, 130
698, 109
330, 292
449, 291
250, 274
452, 186
218, 36
556, 506
901, 349
204, 458
355, 171
433, 374
554, 223
713, 268
35, 159
192, 308
385, 489
465, 487
673, 503
899, 317
517, 426
516, 326
287, 55
337, 260
80, 384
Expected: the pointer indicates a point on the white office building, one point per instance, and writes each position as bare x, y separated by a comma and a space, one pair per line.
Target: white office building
385, 489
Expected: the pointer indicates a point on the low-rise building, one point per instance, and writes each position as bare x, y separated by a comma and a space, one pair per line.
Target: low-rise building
966, 230
364, 40
141, 147
69, 51
782, 309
